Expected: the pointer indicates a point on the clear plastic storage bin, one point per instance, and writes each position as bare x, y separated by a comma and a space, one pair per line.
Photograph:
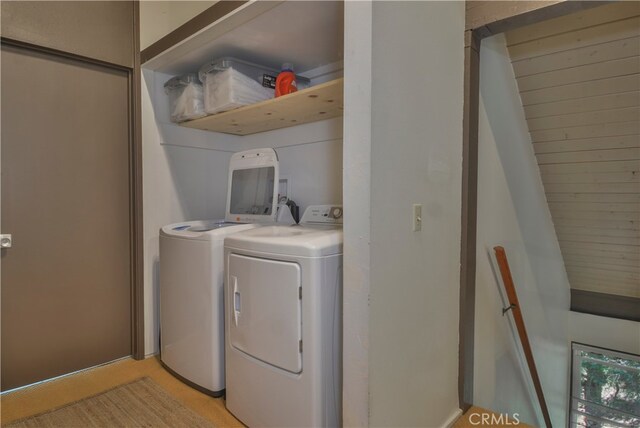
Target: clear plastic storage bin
231, 83
186, 97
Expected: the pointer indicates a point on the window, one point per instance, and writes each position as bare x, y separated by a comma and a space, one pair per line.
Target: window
605, 388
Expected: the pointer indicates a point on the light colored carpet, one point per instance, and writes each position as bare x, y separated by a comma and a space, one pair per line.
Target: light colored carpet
141, 403
47, 396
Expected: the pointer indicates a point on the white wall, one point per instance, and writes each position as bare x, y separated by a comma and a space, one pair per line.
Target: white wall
610, 333
159, 18
403, 118
178, 184
512, 212
357, 212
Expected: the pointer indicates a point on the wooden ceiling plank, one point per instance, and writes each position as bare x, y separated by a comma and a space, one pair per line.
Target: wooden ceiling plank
612, 283
587, 131
626, 114
591, 188
583, 73
595, 215
603, 198
581, 105
603, 177
589, 36
602, 287
630, 251
590, 231
573, 58
595, 206
598, 239
577, 91
585, 144
575, 21
578, 167
606, 262
606, 256
594, 264
590, 156
609, 279
607, 274
597, 223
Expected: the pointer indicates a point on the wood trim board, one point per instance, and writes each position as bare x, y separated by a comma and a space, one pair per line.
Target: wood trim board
137, 238
608, 305
500, 16
200, 21
469, 207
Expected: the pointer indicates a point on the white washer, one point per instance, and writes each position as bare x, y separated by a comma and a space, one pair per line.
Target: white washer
192, 272
283, 322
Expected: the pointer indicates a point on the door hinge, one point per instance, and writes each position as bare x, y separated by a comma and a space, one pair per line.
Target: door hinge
300, 346
300, 293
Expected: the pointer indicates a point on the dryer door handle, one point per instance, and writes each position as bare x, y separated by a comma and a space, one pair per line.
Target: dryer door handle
236, 299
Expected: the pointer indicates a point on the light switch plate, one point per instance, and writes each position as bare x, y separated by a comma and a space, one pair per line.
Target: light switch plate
417, 217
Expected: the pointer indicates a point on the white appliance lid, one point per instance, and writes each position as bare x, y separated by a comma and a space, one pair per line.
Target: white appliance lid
207, 230
289, 240
252, 193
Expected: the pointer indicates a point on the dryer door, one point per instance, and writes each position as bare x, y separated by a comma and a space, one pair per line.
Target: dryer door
264, 310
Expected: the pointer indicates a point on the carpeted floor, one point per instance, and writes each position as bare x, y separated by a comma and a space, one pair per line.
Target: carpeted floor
141, 403
61, 392
42, 398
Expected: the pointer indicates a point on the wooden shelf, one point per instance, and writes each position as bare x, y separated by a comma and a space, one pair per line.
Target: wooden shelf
319, 102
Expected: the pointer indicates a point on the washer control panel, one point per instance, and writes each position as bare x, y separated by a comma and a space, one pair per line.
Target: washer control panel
323, 214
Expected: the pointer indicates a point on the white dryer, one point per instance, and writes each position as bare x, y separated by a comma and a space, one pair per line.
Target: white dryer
192, 272
283, 322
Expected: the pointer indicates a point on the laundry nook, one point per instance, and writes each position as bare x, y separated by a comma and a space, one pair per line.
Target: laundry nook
319, 213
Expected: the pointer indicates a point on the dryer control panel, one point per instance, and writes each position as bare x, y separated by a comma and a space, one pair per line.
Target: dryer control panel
322, 214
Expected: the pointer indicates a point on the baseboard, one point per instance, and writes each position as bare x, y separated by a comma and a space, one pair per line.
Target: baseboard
452, 419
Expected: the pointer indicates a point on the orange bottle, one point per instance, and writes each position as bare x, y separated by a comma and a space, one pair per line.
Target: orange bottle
286, 80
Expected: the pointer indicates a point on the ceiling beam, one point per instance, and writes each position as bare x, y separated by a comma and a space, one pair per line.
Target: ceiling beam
607, 305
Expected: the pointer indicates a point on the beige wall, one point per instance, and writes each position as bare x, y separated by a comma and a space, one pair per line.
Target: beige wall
159, 18
102, 30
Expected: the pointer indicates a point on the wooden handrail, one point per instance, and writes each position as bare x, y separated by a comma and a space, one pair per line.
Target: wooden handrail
514, 305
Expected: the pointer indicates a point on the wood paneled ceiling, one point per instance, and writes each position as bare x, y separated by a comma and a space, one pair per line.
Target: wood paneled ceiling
579, 81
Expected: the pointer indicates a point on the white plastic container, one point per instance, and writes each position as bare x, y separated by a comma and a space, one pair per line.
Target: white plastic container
186, 97
230, 83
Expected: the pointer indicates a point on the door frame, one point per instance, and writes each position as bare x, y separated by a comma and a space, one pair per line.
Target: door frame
135, 174
485, 19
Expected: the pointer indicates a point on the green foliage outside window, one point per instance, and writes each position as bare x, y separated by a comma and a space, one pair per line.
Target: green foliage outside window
608, 392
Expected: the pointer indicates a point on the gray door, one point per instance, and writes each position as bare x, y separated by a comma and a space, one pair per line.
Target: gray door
66, 281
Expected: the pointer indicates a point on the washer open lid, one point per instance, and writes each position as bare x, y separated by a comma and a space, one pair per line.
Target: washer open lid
252, 193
